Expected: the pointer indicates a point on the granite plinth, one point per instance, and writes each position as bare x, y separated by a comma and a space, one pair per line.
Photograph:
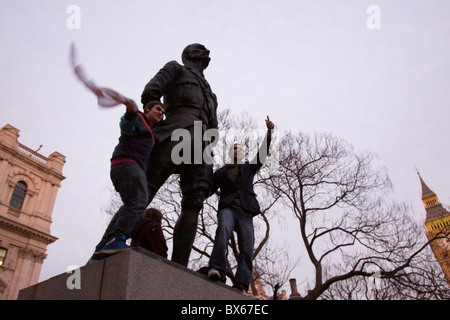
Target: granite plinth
134, 274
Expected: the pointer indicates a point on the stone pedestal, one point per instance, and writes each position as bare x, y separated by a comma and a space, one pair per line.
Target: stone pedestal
135, 274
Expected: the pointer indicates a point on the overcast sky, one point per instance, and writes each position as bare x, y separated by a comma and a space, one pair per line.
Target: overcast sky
312, 66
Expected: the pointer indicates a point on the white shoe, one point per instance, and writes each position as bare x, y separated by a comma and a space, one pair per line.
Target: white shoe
214, 275
245, 293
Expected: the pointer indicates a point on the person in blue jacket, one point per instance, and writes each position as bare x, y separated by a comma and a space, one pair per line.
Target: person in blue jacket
237, 207
128, 174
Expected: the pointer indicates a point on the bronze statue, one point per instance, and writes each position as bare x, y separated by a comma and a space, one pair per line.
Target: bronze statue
188, 99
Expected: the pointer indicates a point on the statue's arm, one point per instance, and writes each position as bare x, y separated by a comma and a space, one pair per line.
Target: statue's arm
158, 85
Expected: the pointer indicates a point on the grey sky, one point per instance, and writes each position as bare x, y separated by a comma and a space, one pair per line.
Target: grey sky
312, 66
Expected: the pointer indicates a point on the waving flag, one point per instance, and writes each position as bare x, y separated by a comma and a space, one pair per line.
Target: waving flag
105, 97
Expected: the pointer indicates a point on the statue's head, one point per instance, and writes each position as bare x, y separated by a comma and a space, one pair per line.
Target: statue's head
196, 54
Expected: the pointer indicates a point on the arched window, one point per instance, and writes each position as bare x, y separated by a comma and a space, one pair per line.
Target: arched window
18, 195
3, 252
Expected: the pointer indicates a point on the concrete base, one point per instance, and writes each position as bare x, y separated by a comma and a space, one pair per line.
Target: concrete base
135, 274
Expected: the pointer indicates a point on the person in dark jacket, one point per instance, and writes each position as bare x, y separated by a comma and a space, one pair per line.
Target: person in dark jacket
237, 207
148, 234
128, 174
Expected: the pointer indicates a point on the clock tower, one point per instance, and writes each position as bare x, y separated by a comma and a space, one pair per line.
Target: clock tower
437, 223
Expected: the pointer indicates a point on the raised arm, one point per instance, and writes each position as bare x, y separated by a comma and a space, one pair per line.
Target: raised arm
263, 151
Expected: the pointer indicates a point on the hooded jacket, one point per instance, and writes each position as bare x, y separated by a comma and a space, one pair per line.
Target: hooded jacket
148, 234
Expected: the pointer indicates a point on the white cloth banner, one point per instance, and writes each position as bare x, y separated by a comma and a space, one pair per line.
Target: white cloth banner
105, 97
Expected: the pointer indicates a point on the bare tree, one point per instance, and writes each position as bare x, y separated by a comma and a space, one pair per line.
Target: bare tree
274, 266
349, 227
419, 277
361, 243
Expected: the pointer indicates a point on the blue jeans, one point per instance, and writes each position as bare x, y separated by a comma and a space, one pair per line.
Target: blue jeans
229, 220
130, 181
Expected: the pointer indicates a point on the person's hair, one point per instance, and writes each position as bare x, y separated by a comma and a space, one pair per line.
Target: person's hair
151, 104
153, 214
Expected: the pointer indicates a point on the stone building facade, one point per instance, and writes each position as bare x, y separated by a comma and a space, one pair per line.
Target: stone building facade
29, 183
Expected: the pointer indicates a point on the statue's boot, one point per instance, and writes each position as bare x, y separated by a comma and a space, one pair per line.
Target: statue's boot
184, 236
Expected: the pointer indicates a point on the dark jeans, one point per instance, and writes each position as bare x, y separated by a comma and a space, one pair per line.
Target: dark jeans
130, 182
229, 220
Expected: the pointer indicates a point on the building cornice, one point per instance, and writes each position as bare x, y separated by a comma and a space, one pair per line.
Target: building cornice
27, 231
33, 159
